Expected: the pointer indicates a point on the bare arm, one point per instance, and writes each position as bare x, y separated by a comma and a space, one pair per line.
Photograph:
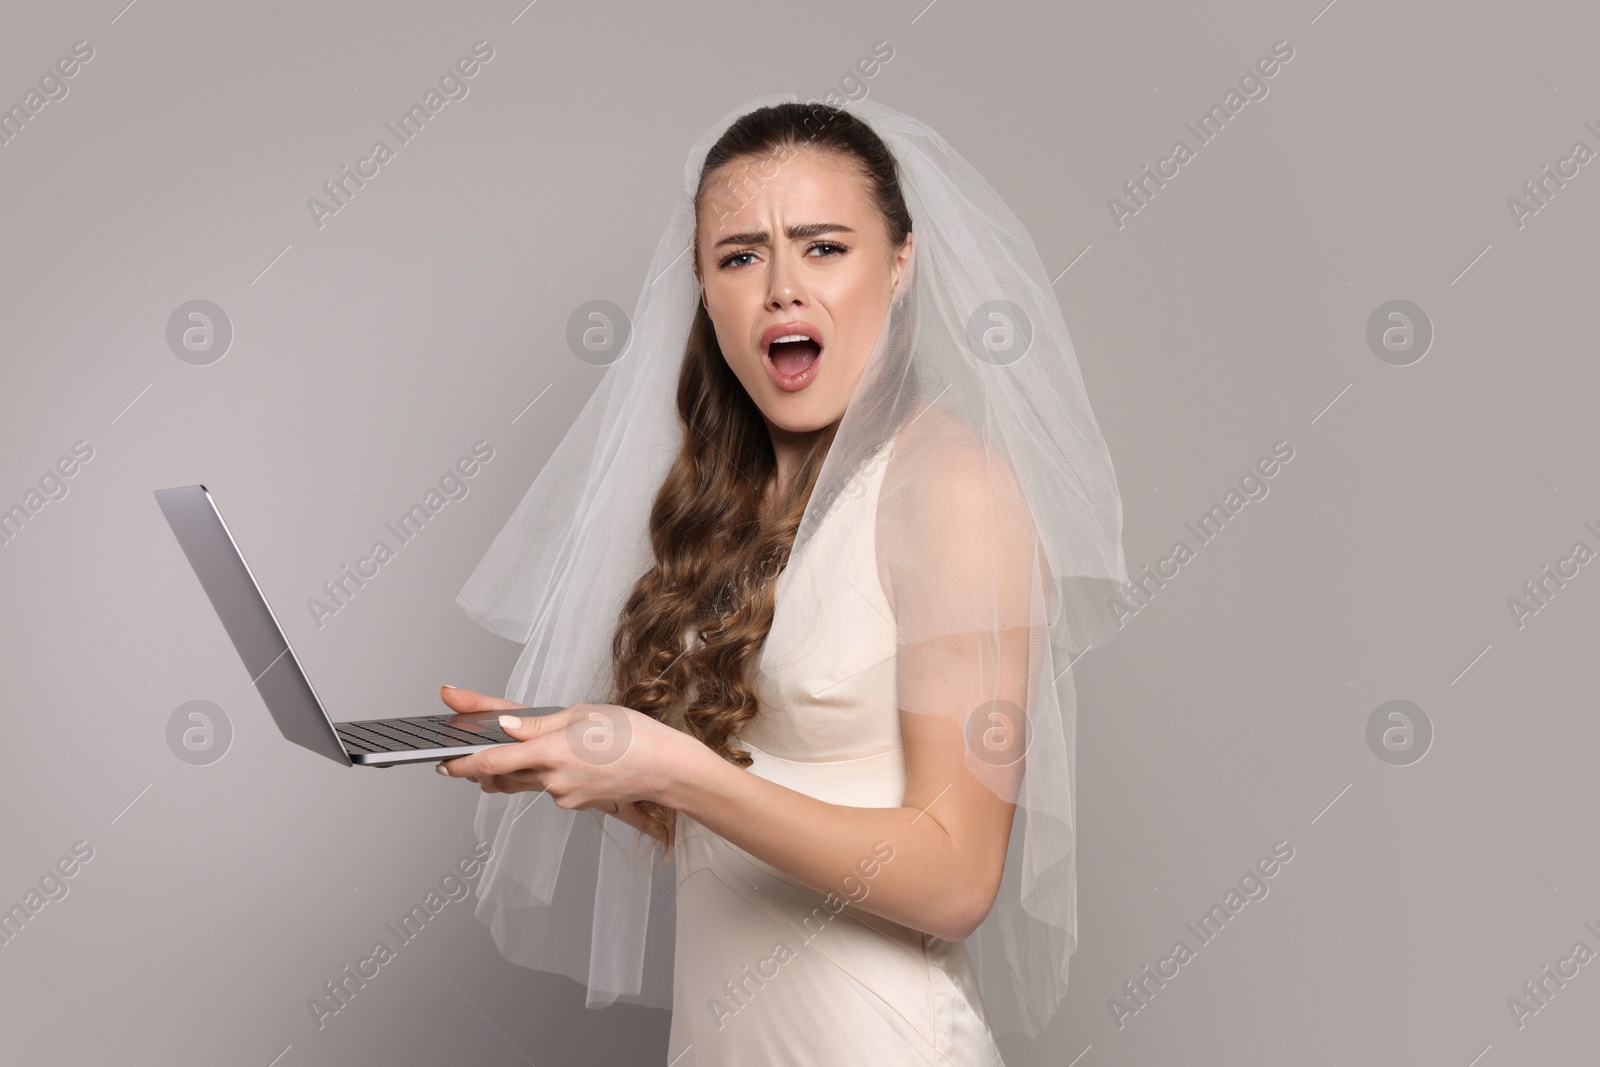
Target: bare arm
948, 838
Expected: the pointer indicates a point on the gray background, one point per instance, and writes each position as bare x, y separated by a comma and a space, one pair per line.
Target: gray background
1228, 314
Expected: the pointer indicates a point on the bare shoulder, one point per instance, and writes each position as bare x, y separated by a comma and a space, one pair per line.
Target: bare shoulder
940, 466
956, 538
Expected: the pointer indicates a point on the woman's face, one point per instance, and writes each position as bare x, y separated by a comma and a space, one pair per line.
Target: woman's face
803, 252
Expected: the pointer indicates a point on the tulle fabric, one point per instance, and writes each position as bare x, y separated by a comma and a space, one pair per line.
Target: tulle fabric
999, 544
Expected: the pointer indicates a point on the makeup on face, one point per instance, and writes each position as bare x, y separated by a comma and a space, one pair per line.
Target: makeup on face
797, 278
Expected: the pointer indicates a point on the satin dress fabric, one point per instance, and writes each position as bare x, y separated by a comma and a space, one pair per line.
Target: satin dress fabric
767, 971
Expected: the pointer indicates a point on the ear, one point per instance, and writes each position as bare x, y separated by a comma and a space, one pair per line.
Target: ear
902, 263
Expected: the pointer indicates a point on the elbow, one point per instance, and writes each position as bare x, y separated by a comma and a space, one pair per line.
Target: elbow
966, 912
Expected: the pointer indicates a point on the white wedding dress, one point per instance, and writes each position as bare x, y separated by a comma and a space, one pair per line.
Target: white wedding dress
766, 971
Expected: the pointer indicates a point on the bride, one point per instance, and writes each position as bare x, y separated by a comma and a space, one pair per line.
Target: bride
805, 579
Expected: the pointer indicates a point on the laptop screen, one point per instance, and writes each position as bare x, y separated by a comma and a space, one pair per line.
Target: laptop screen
249, 620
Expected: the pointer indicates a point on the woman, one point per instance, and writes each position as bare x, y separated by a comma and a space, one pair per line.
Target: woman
881, 524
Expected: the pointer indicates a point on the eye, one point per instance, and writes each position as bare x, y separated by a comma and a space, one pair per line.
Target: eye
835, 246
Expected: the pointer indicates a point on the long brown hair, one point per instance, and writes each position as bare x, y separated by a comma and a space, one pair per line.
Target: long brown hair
716, 561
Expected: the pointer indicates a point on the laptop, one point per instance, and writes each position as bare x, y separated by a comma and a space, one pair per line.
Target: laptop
276, 671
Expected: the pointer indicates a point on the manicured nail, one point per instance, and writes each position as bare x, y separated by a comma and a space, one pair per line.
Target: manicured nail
440, 768
447, 687
509, 722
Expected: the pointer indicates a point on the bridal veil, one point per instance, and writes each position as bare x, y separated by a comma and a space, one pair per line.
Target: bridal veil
999, 526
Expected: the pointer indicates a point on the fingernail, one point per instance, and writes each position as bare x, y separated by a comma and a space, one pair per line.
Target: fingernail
447, 687
440, 768
509, 722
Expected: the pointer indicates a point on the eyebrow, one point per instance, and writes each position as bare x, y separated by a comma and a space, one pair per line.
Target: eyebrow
796, 233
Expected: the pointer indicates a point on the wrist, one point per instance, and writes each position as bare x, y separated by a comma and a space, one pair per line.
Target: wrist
687, 763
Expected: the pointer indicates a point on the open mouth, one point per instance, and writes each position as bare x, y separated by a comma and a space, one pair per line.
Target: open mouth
792, 358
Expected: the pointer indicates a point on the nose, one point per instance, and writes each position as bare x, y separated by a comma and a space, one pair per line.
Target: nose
784, 287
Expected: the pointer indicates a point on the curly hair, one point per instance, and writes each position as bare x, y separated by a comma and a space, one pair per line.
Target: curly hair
716, 559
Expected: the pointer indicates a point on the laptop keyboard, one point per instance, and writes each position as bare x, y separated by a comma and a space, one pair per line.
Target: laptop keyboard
421, 732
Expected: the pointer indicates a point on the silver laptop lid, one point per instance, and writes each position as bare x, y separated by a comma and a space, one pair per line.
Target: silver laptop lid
249, 620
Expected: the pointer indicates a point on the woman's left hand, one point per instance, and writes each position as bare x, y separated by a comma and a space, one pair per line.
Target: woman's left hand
585, 756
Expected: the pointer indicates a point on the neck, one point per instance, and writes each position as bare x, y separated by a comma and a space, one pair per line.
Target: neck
789, 447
